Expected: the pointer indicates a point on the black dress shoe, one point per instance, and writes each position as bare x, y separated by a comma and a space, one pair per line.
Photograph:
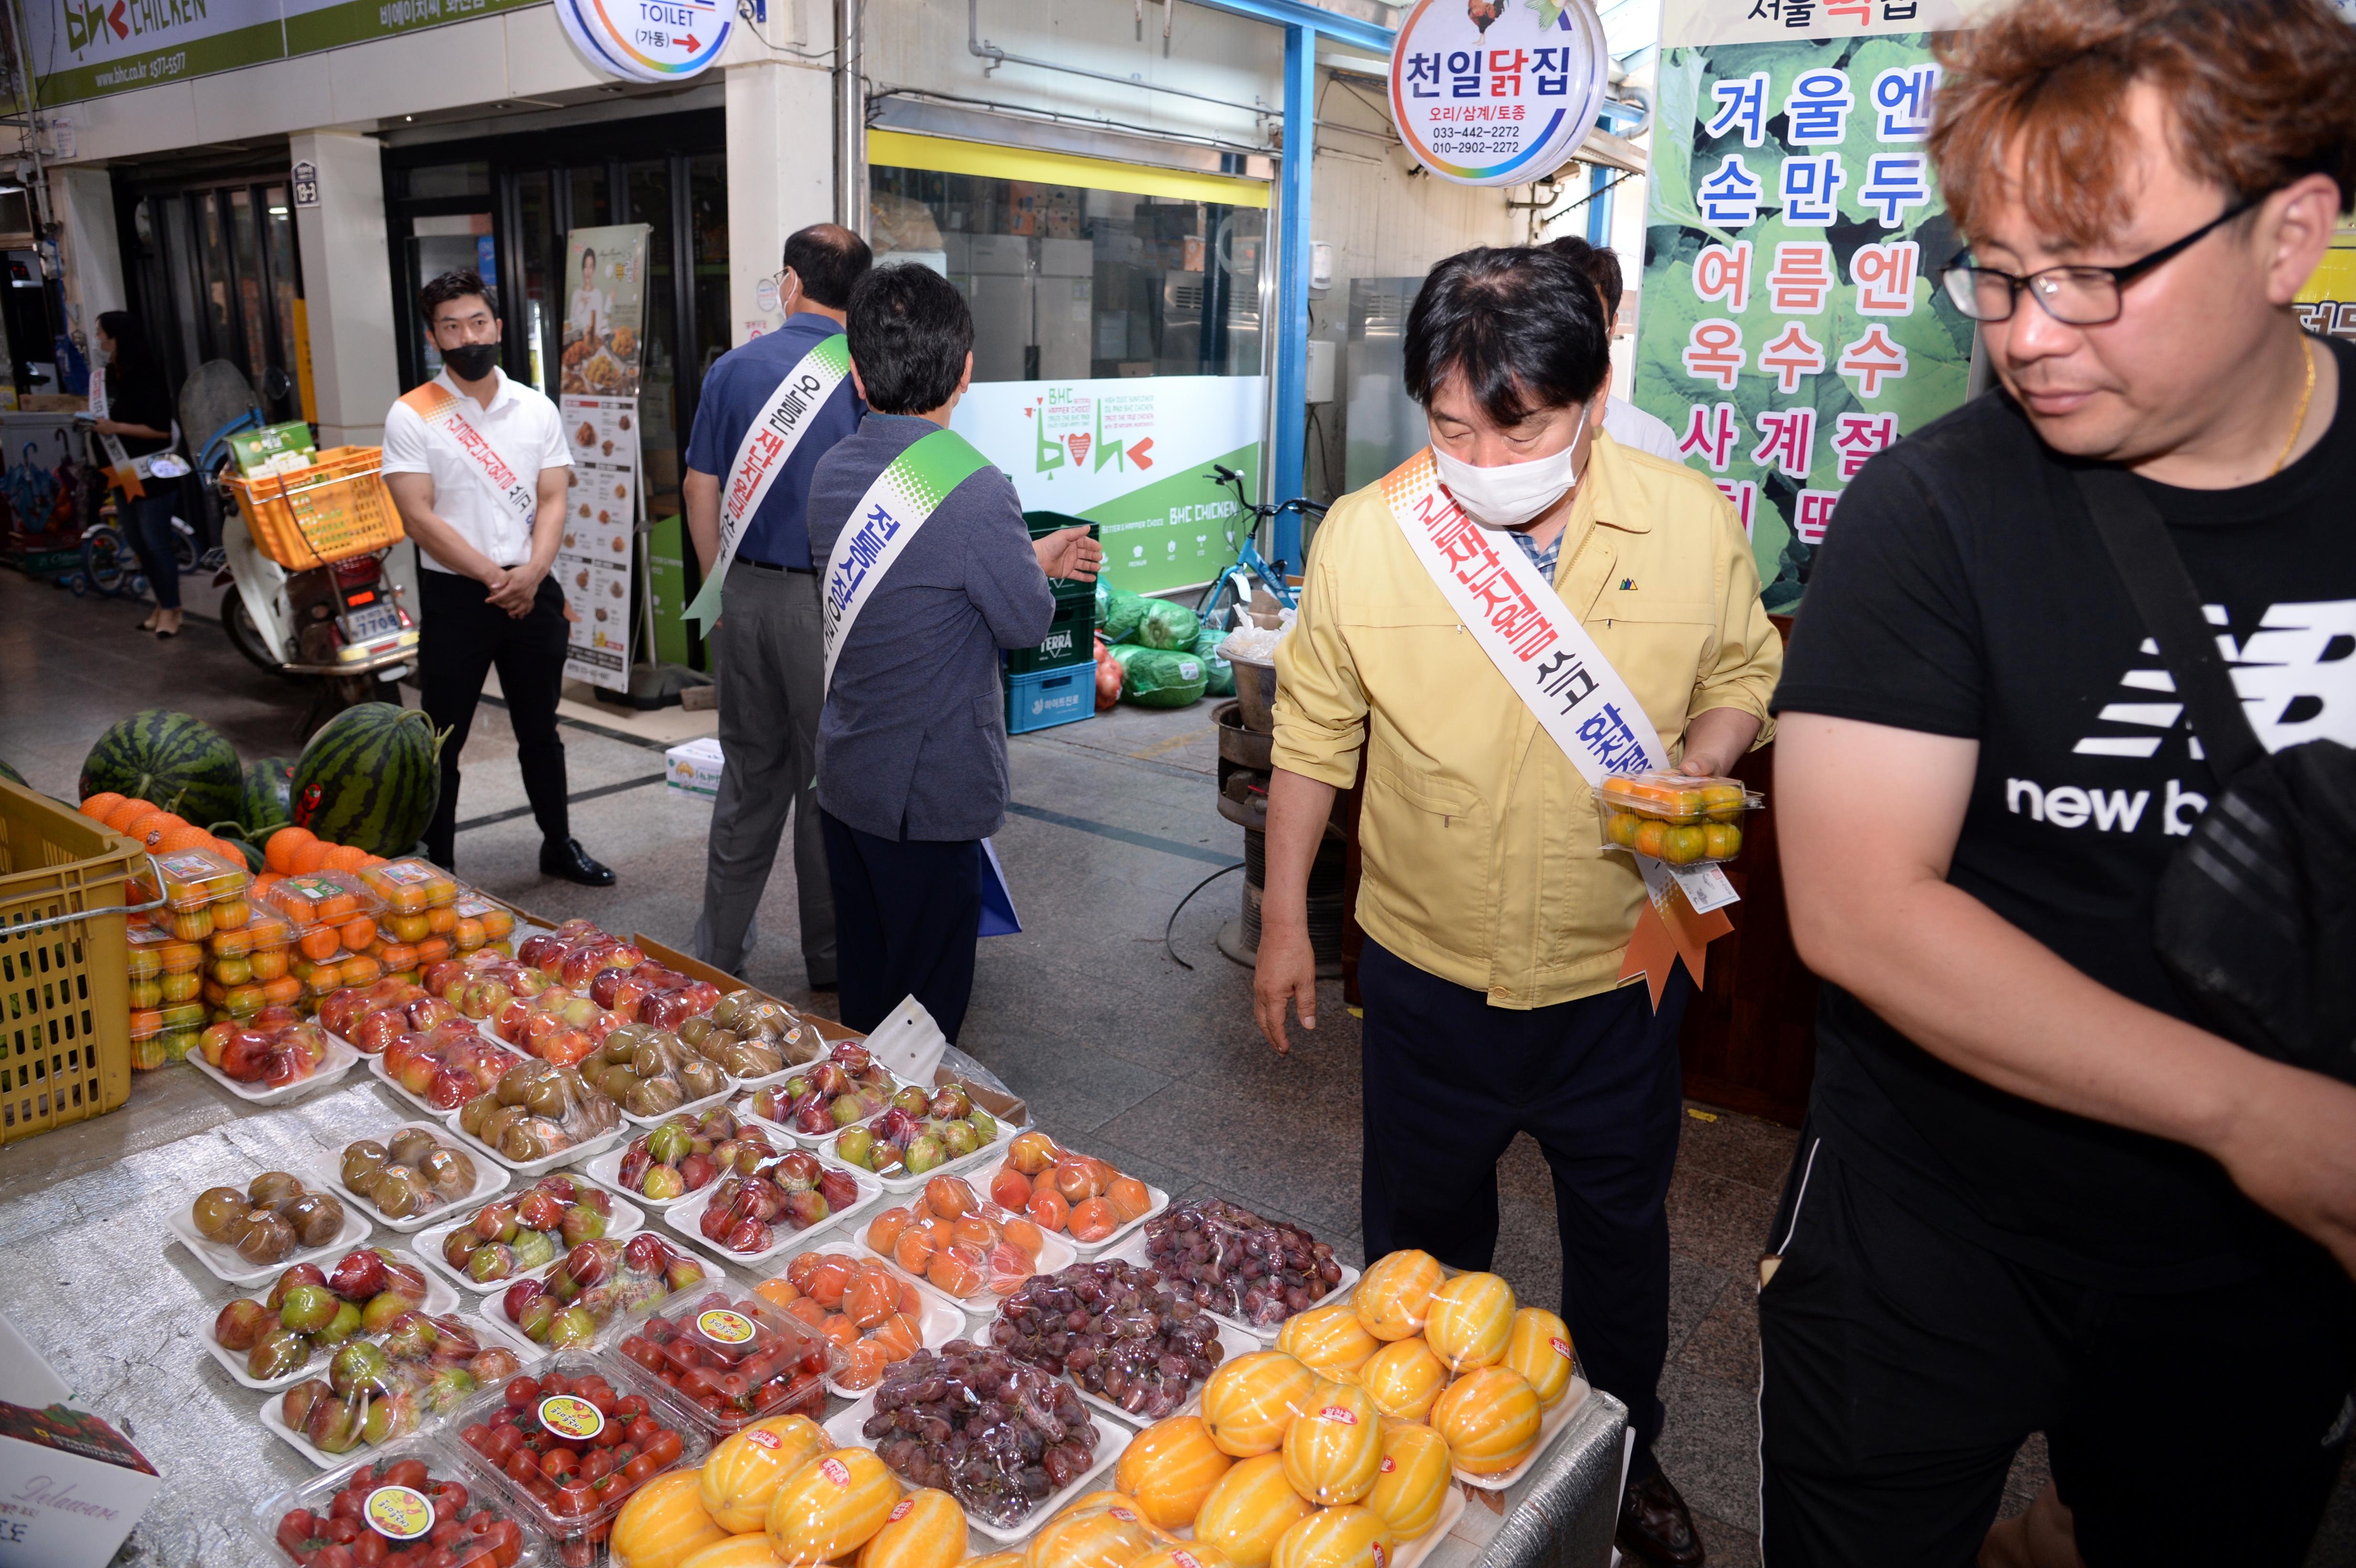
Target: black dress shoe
1656, 1526
572, 862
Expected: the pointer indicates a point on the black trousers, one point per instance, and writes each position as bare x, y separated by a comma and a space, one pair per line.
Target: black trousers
1448, 1080
908, 914
461, 636
1905, 1364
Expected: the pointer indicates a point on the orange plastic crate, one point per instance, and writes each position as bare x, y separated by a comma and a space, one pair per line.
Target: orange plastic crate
331, 511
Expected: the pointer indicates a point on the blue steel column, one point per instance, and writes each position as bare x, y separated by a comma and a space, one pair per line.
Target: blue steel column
1291, 336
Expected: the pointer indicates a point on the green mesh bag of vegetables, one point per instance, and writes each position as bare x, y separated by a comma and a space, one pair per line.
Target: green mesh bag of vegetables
1159, 677
1162, 625
1219, 674
1118, 611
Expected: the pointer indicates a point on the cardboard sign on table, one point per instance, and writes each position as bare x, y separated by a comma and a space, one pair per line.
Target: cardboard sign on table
75, 1487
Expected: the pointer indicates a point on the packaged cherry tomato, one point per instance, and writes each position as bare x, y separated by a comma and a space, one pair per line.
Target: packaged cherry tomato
735, 1359
1681, 819
572, 1439
414, 1498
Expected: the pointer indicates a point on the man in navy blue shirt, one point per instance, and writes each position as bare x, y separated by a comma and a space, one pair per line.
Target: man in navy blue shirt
767, 639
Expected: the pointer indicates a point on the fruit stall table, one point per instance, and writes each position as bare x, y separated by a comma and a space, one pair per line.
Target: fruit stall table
123, 1311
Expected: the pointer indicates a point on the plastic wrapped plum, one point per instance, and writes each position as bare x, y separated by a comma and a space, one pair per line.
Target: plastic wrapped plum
999, 1435
539, 1109
687, 1154
596, 1283
1116, 1329
649, 1073
1228, 1260
518, 1233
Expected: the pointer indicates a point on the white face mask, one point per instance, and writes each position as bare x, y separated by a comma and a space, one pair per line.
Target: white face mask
1509, 496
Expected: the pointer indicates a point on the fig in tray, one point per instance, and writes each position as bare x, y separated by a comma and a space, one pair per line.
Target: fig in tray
407, 1175
847, 1086
274, 1218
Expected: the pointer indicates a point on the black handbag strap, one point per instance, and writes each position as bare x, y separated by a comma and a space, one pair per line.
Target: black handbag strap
2147, 559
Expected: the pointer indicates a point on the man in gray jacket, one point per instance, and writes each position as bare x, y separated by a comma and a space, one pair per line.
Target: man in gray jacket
912, 740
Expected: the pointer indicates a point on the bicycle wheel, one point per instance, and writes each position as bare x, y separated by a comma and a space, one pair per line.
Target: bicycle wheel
106, 558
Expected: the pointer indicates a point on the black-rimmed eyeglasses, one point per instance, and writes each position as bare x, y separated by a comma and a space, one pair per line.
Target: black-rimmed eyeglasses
2075, 296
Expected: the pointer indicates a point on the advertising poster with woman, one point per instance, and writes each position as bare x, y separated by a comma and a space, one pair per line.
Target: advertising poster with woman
597, 394
605, 309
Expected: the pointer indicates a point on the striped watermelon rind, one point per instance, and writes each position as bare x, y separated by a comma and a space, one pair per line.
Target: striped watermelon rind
176, 760
268, 795
371, 778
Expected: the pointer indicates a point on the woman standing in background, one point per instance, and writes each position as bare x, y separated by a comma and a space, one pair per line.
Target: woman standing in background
139, 415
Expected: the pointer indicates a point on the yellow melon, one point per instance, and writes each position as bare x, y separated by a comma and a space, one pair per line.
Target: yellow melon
1329, 1341
1332, 1453
1348, 1537
1191, 1554
742, 1473
1470, 1320
1250, 1401
1109, 1535
663, 1524
1396, 1292
1539, 1348
1249, 1511
1403, 1378
1169, 1467
995, 1560
1413, 1479
1490, 1419
738, 1552
832, 1505
924, 1530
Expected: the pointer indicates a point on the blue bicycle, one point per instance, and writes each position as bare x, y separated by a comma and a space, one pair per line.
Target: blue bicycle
1233, 585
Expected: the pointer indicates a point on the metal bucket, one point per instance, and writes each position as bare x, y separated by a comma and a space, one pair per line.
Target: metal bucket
1256, 695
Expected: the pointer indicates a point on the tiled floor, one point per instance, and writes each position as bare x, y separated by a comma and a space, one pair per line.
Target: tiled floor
1116, 1047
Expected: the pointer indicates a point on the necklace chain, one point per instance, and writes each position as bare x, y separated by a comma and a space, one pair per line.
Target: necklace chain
2298, 420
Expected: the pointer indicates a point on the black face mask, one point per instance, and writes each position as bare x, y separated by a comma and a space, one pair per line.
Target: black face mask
471, 361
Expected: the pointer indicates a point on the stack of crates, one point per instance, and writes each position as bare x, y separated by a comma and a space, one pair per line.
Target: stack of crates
1056, 683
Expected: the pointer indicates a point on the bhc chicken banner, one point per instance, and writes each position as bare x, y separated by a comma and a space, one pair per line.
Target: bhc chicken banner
597, 393
1790, 324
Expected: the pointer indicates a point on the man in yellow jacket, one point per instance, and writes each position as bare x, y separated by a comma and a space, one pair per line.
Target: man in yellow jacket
1497, 914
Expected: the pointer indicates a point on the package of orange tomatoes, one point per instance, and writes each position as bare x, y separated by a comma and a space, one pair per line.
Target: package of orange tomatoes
964, 1246
1085, 1199
1683, 818
872, 1313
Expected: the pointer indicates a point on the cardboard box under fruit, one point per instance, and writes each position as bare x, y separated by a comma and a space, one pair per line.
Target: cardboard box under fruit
987, 1091
71, 1487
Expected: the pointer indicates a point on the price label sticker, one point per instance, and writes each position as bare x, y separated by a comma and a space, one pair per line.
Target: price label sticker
399, 1513
569, 1415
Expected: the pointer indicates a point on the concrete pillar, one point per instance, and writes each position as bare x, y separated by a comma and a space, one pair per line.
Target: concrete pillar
348, 287
89, 253
780, 177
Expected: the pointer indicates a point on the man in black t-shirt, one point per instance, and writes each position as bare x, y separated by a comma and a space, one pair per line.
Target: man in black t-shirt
2034, 1194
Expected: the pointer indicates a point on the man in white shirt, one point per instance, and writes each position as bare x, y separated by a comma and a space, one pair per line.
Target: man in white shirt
1624, 421
476, 464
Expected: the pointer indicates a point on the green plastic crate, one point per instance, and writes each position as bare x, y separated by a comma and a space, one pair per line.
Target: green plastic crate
1071, 639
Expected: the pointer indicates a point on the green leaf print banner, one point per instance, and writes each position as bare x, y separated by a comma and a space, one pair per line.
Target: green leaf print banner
1791, 326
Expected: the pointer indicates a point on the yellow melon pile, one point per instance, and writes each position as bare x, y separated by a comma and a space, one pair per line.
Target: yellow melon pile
778, 1495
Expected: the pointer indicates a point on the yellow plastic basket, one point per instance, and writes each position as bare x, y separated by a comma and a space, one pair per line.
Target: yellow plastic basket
65, 1016
333, 510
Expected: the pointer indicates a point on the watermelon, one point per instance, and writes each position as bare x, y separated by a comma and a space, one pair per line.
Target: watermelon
371, 778
269, 787
253, 860
13, 776
176, 760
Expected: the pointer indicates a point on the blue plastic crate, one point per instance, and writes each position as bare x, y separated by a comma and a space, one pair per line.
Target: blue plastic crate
1043, 698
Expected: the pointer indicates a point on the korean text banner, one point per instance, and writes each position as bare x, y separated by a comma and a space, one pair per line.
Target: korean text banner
92, 48
1770, 21
1790, 324
1132, 455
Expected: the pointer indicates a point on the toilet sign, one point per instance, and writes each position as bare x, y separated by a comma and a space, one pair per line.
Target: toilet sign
648, 40
1498, 91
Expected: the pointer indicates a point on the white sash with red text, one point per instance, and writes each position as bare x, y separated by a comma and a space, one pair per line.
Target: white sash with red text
445, 414
769, 441
1532, 637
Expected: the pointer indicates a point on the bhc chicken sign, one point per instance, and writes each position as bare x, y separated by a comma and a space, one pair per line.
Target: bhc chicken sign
1497, 91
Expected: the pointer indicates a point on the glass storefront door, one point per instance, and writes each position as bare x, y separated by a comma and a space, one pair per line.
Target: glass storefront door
213, 272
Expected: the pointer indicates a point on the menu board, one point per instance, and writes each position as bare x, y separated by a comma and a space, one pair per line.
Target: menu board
602, 505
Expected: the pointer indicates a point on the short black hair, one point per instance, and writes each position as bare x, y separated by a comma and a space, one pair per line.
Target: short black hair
1523, 328
455, 286
1600, 262
830, 259
910, 333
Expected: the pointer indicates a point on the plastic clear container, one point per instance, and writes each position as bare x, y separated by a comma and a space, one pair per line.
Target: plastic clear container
1225, 1224
731, 1358
480, 921
405, 1493
201, 891
333, 913
975, 1266
412, 885
1181, 1333
847, 1294
776, 1235
525, 1256
1679, 818
563, 1405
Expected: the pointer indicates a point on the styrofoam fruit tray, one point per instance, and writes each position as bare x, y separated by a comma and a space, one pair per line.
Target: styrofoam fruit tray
1112, 1437
687, 1218
275, 1423
808, 1140
490, 1179
1549, 1424
1089, 1252
376, 1067
933, 1293
532, 1170
232, 1269
900, 1185
1056, 1254
338, 1061
1133, 1250
627, 1219
439, 1298
689, 1109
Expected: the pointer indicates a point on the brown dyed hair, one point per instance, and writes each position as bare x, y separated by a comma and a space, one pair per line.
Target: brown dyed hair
2258, 93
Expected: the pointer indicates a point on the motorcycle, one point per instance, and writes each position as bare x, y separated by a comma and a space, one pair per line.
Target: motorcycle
341, 628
